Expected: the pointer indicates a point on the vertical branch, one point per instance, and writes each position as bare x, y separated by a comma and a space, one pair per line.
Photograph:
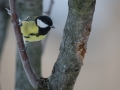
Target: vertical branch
50, 8
48, 13
25, 8
33, 79
4, 17
74, 43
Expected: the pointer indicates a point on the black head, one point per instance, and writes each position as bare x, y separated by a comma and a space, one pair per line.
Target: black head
44, 22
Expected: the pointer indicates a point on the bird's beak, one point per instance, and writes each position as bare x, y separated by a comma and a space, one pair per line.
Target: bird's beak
52, 27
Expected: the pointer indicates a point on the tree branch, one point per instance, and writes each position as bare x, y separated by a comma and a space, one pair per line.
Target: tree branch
25, 8
48, 13
33, 79
72, 49
50, 8
73, 46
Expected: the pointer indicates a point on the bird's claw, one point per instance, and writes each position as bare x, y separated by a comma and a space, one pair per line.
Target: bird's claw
8, 11
24, 50
20, 24
27, 18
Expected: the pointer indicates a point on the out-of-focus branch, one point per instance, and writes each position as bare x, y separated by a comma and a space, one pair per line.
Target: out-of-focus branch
50, 8
4, 18
48, 13
33, 79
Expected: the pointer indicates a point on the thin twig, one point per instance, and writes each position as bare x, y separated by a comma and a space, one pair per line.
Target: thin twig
33, 79
50, 8
48, 13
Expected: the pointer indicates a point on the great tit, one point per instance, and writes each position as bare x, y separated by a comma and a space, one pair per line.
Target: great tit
36, 30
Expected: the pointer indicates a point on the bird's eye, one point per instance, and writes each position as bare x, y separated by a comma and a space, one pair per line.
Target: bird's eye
44, 21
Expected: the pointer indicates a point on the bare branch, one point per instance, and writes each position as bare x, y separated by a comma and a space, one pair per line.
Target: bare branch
74, 44
48, 13
33, 79
50, 8
72, 49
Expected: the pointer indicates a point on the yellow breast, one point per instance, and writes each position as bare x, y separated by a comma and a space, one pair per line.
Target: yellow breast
29, 27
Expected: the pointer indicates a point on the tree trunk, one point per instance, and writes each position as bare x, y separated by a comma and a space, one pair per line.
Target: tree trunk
28, 8
73, 46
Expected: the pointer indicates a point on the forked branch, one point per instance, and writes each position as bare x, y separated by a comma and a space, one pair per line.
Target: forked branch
72, 49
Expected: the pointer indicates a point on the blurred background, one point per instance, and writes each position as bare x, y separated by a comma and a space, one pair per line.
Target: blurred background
101, 69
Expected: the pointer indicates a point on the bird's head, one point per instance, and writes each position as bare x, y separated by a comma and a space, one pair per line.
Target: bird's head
44, 22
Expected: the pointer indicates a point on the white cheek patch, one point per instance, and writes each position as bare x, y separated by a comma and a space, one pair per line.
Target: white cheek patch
41, 24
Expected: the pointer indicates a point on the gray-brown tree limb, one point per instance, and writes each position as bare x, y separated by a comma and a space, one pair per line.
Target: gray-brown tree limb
27, 8
33, 79
72, 49
73, 46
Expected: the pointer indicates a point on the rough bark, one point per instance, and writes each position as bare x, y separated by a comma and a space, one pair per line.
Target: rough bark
28, 8
73, 46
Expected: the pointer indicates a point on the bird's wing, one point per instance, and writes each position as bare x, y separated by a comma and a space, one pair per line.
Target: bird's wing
28, 28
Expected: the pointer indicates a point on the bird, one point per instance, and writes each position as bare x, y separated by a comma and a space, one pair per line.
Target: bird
35, 30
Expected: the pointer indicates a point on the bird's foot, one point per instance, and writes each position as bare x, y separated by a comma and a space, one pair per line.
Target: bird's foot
24, 50
20, 23
8, 11
27, 18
